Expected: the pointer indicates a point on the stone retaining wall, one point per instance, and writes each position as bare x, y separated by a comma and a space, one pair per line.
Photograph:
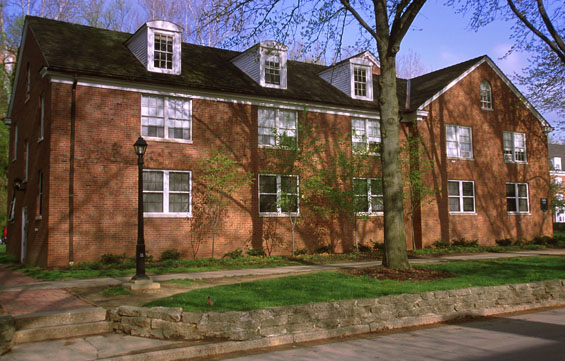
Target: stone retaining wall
332, 319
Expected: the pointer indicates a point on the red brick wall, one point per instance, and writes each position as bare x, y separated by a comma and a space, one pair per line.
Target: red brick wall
460, 105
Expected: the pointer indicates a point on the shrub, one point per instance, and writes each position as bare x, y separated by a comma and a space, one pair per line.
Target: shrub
364, 248
236, 253
301, 252
170, 254
323, 249
441, 244
506, 242
462, 242
256, 252
379, 246
542, 240
109, 258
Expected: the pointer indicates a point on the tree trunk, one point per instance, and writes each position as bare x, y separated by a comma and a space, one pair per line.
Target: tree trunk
395, 233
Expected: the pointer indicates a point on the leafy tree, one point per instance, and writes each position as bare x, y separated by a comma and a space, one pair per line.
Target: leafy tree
538, 28
380, 22
219, 177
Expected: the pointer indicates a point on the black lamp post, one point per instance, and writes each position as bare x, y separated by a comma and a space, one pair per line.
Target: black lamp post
140, 148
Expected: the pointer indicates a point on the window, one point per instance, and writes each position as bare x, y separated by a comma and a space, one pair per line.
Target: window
40, 194
166, 192
486, 95
558, 180
459, 141
366, 135
278, 194
368, 195
163, 117
41, 118
163, 51
12, 212
277, 127
273, 71
15, 150
514, 147
556, 162
461, 196
360, 81
26, 155
517, 198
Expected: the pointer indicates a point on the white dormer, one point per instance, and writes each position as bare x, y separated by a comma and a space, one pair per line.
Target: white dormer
353, 76
265, 63
157, 45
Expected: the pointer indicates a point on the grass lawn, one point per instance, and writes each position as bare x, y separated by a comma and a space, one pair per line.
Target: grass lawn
332, 286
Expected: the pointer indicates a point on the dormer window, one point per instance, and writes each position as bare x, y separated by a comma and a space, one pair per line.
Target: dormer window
265, 63
163, 51
360, 81
157, 45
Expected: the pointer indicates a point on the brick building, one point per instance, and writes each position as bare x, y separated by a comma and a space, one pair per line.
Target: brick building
83, 95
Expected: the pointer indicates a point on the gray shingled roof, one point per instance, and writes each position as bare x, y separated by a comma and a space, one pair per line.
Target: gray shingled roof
556, 150
84, 50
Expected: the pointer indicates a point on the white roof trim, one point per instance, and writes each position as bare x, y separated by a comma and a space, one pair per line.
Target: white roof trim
504, 79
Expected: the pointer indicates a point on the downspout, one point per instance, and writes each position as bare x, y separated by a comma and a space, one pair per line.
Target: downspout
72, 172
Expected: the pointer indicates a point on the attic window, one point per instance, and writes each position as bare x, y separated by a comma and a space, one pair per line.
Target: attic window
486, 96
163, 56
360, 81
273, 72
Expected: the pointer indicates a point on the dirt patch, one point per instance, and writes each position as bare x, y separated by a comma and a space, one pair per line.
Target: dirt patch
413, 274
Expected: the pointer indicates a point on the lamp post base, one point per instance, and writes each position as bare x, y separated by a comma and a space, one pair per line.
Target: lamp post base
141, 285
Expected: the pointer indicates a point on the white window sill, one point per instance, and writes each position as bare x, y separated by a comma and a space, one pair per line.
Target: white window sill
462, 213
514, 162
358, 97
166, 215
268, 146
519, 213
38, 218
459, 158
272, 214
168, 140
373, 214
488, 109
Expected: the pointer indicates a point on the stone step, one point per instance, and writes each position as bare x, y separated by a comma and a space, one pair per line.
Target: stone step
64, 331
60, 318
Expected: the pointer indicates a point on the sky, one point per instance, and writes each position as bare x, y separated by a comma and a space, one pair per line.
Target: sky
442, 38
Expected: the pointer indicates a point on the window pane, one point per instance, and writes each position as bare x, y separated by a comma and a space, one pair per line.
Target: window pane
376, 187
152, 202
152, 181
511, 204
361, 204
266, 117
360, 187
267, 203
523, 204
450, 132
287, 119
377, 204
178, 182
468, 205
289, 185
522, 190
510, 190
468, 189
268, 184
289, 204
453, 188
454, 204
178, 202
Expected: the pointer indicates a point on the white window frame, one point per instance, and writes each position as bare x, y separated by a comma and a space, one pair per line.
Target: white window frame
517, 198
26, 162
274, 55
458, 142
279, 212
166, 192
461, 197
166, 119
511, 151
41, 118
40, 195
556, 162
369, 197
486, 95
365, 138
271, 70
277, 131
176, 69
368, 80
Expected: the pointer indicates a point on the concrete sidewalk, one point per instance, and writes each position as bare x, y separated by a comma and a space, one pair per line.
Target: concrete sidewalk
124, 347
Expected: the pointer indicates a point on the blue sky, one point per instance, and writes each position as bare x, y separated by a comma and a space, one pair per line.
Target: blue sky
442, 38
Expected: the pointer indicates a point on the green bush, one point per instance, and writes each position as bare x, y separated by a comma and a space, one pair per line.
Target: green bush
170, 254
323, 249
378, 246
363, 248
256, 252
112, 259
542, 240
237, 253
462, 242
441, 244
301, 252
506, 242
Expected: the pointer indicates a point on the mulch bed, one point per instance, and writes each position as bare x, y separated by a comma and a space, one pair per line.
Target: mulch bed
413, 274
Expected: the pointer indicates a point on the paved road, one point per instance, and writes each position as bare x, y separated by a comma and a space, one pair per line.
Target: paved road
532, 337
